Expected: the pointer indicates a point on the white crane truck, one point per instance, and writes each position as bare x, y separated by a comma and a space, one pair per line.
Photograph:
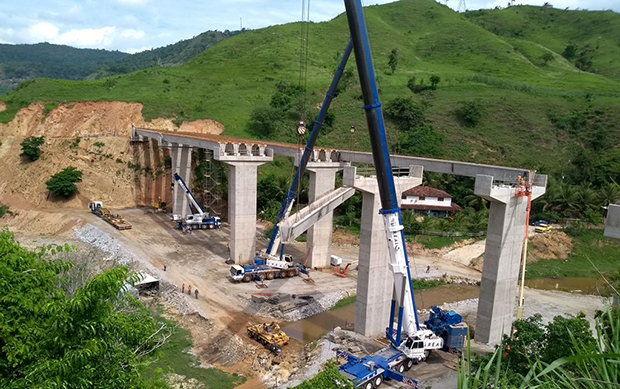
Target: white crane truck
198, 219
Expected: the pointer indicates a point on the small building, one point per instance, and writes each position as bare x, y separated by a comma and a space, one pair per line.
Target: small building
428, 201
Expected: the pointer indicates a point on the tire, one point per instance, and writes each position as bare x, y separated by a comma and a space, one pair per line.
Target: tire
367, 385
400, 368
377, 381
408, 364
246, 278
291, 273
270, 275
426, 354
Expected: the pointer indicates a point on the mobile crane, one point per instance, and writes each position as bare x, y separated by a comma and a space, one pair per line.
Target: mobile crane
197, 219
267, 265
410, 341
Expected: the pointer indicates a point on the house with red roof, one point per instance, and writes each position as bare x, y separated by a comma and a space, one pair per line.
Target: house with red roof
428, 201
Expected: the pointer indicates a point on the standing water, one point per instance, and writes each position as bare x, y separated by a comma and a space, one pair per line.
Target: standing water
312, 328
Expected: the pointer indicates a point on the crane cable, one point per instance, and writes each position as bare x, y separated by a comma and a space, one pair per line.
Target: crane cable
303, 76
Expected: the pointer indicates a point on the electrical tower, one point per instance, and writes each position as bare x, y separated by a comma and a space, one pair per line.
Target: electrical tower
462, 6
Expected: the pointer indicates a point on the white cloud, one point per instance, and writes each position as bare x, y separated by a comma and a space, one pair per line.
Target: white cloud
87, 37
132, 34
43, 32
133, 51
133, 2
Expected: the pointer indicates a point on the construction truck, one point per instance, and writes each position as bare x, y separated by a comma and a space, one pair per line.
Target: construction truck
269, 335
410, 341
197, 219
117, 221
267, 267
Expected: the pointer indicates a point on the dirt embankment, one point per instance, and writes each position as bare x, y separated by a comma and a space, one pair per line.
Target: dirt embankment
551, 245
94, 138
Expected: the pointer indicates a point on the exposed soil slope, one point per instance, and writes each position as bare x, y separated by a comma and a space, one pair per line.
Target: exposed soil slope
94, 138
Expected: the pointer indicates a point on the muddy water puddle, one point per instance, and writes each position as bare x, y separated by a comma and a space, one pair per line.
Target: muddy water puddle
580, 285
312, 328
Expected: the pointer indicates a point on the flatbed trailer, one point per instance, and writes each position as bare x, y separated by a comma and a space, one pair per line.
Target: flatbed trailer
247, 273
370, 371
116, 221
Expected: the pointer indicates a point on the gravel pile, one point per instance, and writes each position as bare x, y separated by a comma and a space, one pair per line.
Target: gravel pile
293, 309
104, 242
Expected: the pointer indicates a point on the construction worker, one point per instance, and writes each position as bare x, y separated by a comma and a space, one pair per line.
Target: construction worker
183, 288
189, 290
196, 293
428, 269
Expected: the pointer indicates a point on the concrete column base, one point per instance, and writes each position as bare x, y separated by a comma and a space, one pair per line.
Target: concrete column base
322, 181
242, 180
181, 164
375, 282
502, 258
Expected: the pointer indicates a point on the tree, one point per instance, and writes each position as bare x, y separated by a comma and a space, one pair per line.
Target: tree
63, 183
406, 113
31, 147
435, 80
97, 337
393, 60
570, 51
559, 333
584, 59
471, 112
609, 194
547, 57
264, 121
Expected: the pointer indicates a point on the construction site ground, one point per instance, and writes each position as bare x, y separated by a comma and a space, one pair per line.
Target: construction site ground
219, 317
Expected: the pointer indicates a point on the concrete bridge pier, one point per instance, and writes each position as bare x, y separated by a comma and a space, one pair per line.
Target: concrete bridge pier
243, 161
322, 182
502, 256
181, 164
375, 283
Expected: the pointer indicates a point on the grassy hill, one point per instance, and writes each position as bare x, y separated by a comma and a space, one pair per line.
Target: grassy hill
534, 115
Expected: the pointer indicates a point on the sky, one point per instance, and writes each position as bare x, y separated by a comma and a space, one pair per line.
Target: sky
137, 25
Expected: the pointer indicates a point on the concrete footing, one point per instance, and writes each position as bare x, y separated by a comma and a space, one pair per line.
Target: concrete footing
375, 282
181, 164
502, 258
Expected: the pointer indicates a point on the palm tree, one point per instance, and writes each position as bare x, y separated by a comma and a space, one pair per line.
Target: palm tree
566, 198
476, 202
609, 194
585, 198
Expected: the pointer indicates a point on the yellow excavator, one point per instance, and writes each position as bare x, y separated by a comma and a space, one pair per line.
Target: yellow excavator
269, 335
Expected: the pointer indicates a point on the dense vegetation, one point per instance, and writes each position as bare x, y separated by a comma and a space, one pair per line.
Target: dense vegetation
560, 355
53, 335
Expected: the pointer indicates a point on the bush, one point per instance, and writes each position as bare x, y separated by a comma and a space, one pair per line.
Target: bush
4, 209
75, 143
471, 112
31, 147
63, 183
406, 113
264, 121
422, 141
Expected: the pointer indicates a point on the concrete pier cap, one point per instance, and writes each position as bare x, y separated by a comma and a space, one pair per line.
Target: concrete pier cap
502, 256
612, 223
375, 282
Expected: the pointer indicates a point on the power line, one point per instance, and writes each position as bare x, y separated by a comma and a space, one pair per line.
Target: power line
462, 6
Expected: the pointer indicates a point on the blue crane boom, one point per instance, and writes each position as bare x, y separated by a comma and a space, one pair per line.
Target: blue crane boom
287, 204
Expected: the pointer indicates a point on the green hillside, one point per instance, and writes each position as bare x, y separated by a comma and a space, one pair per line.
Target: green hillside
533, 115
172, 55
21, 62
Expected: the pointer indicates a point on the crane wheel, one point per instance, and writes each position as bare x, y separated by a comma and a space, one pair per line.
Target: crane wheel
426, 354
377, 381
291, 273
408, 364
400, 368
270, 275
368, 385
246, 278
283, 274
